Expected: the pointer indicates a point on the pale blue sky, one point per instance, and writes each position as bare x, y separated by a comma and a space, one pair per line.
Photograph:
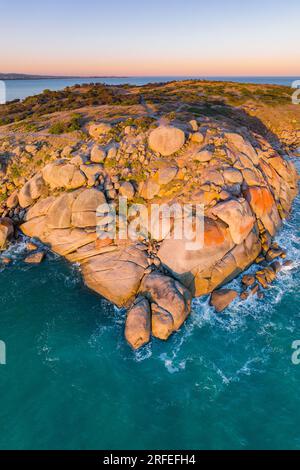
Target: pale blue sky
161, 37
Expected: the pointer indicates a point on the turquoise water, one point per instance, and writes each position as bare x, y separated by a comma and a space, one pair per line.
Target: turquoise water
71, 382
23, 88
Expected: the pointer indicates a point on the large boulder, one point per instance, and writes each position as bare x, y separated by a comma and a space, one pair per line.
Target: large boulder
116, 274
84, 209
166, 140
31, 191
238, 216
66, 241
61, 174
264, 207
138, 323
59, 214
242, 145
170, 303
40, 208
192, 265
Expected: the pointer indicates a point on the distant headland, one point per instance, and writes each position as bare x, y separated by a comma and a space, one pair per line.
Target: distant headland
23, 76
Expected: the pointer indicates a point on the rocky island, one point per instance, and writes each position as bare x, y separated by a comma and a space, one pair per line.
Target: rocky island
222, 145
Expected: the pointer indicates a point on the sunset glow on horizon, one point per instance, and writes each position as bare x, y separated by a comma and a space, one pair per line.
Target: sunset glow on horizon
134, 38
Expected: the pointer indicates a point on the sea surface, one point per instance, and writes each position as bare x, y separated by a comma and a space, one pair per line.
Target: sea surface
20, 89
225, 381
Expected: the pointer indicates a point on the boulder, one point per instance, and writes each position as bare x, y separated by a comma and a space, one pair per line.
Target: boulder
274, 253
212, 176
166, 140
31, 191
99, 130
88, 200
276, 266
60, 213
40, 208
30, 246
162, 322
166, 175
6, 231
85, 207
232, 176
66, 241
197, 138
234, 262
35, 258
203, 156
149, 189
138, 323
124, 267
252, 177
194, 125
172, 299
238, 216
221, 299
98, 154
264, 207
13, 200
248, 280
92, 172
60, 174
127, 190
242, 145
192, 265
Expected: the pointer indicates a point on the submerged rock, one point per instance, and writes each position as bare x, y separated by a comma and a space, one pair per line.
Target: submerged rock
35, 258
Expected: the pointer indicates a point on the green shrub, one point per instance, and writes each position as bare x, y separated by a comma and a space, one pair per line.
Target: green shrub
57, 128
70, 126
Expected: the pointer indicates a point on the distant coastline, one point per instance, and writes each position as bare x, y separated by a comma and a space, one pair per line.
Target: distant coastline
21, 76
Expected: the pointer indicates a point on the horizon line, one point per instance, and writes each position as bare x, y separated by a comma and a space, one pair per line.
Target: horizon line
141, 76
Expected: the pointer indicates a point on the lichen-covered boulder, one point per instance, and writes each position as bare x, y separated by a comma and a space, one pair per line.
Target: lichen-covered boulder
238, 216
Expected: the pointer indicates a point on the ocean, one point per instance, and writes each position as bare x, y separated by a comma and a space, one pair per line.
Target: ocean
225, 381
20, 89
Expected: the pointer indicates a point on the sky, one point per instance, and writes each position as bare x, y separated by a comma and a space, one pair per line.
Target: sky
150, 37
